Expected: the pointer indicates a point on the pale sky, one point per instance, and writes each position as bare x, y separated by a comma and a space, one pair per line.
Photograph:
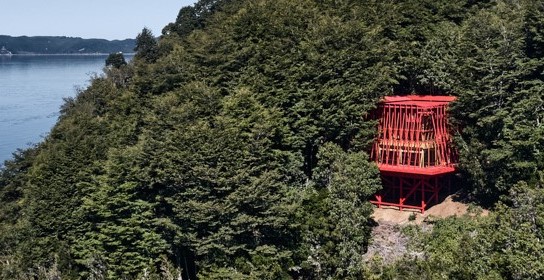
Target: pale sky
107, 19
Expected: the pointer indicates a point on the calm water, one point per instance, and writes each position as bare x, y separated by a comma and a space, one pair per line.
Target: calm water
31, 92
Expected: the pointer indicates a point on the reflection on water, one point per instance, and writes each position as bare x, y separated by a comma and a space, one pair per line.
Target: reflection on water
31, 92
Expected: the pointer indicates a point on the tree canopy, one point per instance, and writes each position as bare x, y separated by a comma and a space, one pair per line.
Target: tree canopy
234, 146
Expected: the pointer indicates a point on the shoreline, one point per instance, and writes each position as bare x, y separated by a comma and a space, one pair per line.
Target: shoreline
59, 54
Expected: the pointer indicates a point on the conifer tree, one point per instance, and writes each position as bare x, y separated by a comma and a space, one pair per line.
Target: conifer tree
146, 46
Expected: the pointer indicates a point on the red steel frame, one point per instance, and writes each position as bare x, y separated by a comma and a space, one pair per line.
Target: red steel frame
413, 150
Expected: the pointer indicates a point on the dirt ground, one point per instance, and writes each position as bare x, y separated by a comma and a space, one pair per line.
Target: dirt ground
388, 241
449, 207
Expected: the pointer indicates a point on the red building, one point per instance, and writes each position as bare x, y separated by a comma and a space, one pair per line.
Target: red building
413, 150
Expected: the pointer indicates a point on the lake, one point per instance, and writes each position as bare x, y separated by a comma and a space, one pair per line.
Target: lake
32, 89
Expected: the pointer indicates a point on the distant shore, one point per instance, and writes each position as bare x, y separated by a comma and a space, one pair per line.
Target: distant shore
61, 45
63, 54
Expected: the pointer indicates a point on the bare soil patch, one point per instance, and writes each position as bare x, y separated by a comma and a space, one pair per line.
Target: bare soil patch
390, 244
447, 208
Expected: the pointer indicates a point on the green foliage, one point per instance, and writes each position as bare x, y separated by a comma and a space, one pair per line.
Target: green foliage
146, 46
227, 187
233, 146
196, 17
116, 60
517, 234
13, 178
59, 175
502, 93
505, 245
121, 231
336, 214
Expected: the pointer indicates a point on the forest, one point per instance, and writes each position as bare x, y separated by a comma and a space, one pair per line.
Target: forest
64, 45
235, 146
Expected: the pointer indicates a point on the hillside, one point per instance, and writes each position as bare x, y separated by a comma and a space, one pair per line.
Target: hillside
235, 147
64, 45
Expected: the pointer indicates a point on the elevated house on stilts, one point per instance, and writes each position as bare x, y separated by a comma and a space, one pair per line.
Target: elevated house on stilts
413, 150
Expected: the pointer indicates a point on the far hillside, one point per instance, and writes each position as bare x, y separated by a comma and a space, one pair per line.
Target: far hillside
64, 45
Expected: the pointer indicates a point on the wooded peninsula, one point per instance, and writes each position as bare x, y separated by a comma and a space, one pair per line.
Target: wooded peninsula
235, 146
64, 45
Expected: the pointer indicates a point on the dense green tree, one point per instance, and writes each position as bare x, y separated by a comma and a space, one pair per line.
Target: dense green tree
196, 17
63, 170
13, 229
226, 186
116, 60
121, 230
501, 90
185, 23
337, 214
146, 46
505, 245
